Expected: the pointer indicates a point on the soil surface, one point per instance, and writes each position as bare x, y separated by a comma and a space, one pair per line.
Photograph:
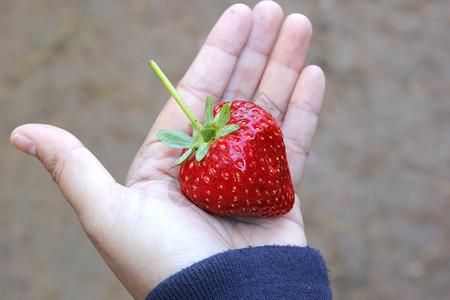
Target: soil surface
376, 192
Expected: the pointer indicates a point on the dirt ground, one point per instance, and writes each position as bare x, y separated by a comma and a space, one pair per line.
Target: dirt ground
376, 192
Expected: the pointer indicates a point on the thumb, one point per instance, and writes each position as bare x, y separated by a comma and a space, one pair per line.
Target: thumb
82, 179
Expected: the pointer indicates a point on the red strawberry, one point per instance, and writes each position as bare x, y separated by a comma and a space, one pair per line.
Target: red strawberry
245, 173
235, 164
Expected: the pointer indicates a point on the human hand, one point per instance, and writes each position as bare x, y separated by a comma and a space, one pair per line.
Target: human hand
147, 230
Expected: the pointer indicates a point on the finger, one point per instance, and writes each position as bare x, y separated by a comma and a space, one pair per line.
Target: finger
301, 119
81, 177
267, 17
284, 65
209, 73
211, 69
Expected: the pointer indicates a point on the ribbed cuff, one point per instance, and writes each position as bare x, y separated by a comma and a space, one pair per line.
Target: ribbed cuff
267, 272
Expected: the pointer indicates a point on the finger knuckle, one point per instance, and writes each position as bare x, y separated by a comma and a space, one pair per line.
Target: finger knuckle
58, 162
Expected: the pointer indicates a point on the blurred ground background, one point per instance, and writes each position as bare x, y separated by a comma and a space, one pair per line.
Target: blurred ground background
376, 192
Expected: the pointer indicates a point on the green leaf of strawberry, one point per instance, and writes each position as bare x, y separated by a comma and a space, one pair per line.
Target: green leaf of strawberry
183, 157
227, 130
235, 163
222, 117
175, 139
209, 111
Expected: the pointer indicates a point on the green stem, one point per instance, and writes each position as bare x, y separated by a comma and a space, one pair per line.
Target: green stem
175, 94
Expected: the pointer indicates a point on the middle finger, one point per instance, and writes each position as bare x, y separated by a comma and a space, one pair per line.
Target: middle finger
267, 17
285, 64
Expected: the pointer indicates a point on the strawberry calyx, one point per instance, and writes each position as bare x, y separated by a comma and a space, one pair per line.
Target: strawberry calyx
203, 135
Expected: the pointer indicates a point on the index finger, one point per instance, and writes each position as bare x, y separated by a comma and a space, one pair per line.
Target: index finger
211, 69
209, 73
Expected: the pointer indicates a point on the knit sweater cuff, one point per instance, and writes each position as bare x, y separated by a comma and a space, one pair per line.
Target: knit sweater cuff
267, 272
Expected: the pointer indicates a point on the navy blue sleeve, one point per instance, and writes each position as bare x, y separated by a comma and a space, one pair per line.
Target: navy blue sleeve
267, 272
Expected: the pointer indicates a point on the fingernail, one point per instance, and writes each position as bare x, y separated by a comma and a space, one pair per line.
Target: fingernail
24, 144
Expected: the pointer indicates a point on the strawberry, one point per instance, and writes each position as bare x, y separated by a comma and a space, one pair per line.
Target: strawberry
235, 163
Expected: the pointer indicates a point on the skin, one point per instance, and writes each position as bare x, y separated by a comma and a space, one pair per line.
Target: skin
147, 230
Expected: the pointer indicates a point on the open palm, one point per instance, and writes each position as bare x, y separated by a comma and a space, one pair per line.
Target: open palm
147, 230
